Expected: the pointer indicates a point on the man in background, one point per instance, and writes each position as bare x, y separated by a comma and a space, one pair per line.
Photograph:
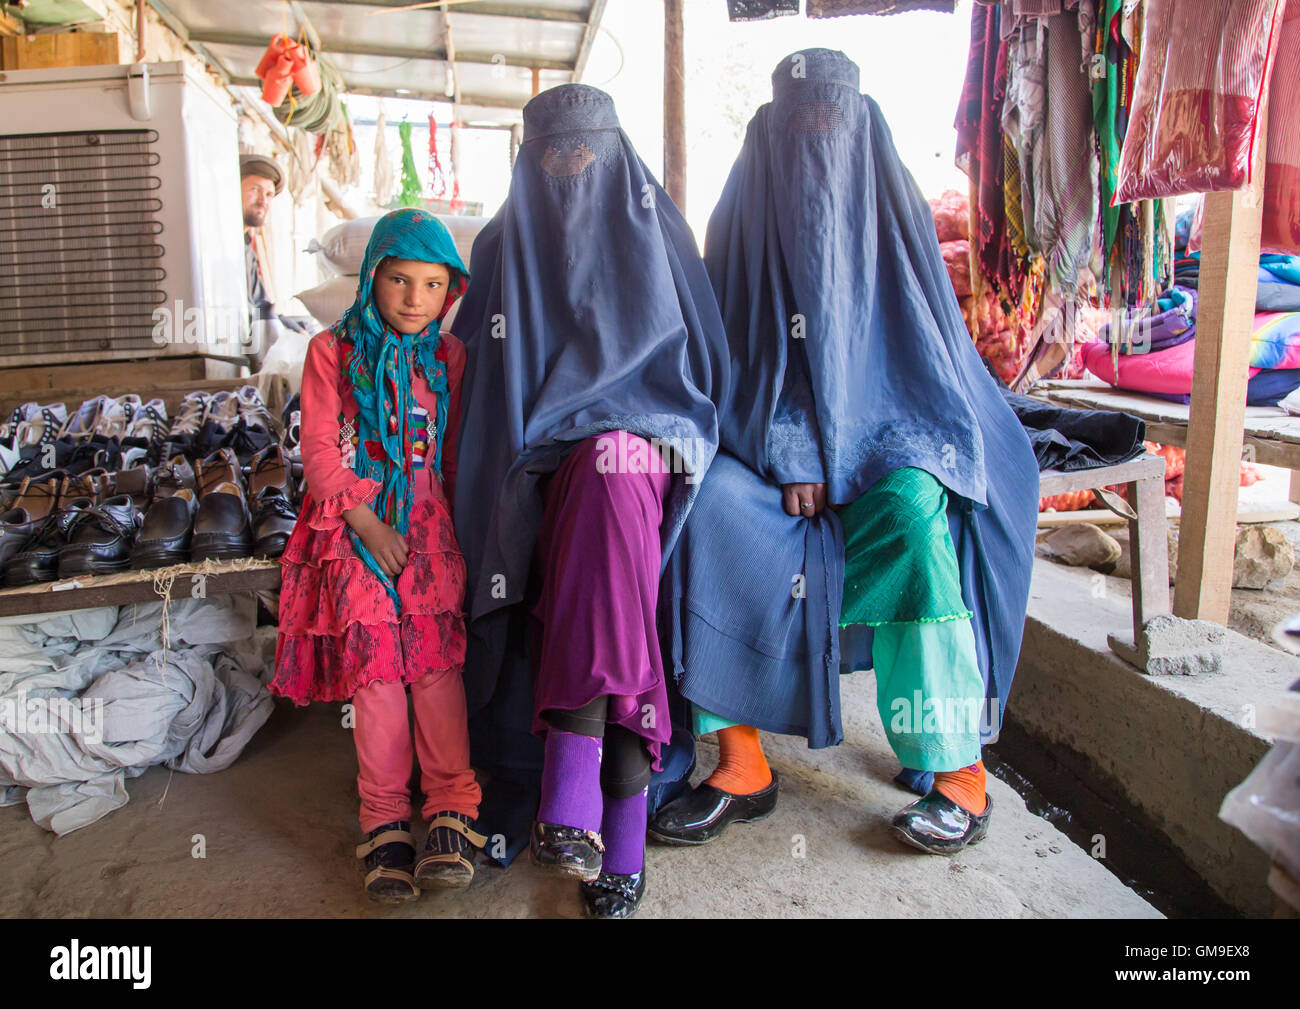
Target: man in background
260, 180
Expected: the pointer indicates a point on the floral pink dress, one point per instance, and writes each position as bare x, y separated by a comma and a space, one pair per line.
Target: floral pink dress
339, 630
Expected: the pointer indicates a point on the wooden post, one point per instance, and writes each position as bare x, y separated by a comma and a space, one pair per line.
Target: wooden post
674, 104
1225, 316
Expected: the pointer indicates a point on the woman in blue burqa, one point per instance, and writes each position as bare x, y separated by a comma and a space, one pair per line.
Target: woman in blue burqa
595, 355
867, 458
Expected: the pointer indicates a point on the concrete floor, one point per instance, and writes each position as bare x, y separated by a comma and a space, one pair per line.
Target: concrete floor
279, 828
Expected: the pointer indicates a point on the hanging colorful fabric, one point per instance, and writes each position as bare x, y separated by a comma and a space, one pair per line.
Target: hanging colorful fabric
411, 193
456, 202
437, 175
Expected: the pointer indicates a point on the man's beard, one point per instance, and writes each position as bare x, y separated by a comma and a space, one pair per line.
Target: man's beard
254, 219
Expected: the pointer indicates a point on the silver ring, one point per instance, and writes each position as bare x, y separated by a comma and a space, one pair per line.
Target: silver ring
807, 504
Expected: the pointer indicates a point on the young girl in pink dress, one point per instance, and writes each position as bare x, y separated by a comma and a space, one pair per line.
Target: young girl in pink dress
373, 586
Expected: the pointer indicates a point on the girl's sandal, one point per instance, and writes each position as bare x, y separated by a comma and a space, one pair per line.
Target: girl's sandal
444, 864
389, 853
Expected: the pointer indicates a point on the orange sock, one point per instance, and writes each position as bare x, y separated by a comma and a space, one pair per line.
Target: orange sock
742, 769
966, 787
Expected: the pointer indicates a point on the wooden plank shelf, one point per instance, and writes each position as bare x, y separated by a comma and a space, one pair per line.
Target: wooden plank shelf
211, 578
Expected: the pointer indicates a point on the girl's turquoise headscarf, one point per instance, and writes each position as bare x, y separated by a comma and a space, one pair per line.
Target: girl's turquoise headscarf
380, 365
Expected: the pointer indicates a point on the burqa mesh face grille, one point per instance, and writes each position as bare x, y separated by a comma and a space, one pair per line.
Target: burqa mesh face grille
817, 117
80, 257
559, 164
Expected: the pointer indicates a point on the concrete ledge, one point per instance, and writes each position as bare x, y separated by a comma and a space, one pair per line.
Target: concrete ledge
1171, 747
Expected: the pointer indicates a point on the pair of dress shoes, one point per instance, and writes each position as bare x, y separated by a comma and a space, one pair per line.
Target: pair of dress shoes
933, 823
204, 511
79, 537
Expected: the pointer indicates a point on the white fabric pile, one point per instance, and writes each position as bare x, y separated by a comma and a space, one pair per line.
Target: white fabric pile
89, 698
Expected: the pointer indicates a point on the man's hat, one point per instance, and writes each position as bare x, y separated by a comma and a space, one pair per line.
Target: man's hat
266, 167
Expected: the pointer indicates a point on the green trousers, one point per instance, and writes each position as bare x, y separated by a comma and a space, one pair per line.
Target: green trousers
901, 579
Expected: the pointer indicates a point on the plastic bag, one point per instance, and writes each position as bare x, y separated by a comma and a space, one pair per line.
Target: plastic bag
1266, 806
1281, 230
1202, 75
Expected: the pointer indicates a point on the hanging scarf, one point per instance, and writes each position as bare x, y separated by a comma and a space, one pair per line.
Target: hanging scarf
380, 365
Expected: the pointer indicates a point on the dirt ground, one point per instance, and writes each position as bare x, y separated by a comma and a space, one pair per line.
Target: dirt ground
278, 830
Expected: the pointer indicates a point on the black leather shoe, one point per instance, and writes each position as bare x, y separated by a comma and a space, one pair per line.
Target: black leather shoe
39, 559
702, 815
273, 521
16, 530
222, 529
165, 536
613, 895
567, 851
940, 826
99, 539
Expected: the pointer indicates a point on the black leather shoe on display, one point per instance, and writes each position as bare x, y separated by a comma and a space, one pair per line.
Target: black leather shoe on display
16, 530
165, 536
99, 539
704, 813
39, 560
273, 521
940, 826
222, 529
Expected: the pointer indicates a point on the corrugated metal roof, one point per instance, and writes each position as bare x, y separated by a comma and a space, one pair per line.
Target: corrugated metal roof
386, 47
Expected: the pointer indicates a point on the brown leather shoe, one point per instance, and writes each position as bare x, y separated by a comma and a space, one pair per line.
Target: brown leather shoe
96, 484
268, 469
37, 499
222, 466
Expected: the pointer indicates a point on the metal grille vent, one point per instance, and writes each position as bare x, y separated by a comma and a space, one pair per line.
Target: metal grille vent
80, 255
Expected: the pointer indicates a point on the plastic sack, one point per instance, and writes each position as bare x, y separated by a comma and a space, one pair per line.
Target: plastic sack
328, 301
343, 247
1196, 102
1281, 228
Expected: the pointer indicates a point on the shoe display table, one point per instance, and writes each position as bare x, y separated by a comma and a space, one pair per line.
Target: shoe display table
193, 580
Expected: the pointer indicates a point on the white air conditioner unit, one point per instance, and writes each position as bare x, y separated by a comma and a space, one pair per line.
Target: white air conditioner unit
120, 234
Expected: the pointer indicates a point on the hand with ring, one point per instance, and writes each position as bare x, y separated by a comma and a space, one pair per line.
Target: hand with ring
806, 499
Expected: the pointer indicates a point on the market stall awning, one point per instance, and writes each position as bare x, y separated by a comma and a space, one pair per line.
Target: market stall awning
491, 53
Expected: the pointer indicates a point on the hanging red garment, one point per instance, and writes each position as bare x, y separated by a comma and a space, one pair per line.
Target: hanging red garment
979, 140
1200, 85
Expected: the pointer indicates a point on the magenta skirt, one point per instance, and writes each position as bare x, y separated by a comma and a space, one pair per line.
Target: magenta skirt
597, 588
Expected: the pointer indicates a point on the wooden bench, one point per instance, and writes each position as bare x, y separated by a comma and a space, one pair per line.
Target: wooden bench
1272, 436
1144, 480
